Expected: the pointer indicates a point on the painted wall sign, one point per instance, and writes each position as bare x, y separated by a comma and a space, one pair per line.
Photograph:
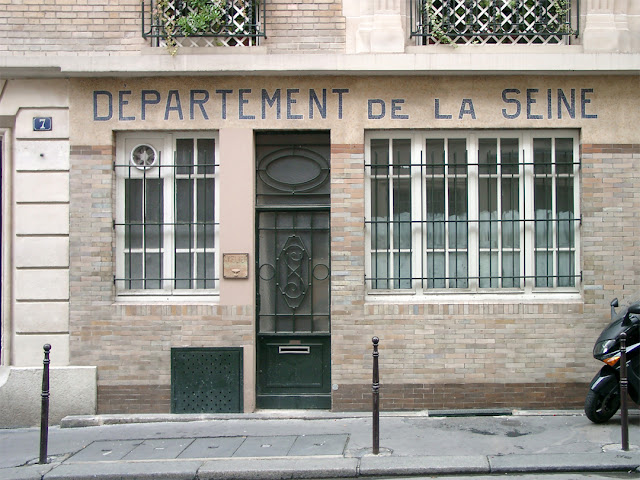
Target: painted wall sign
329, 103
42, 124
289, 103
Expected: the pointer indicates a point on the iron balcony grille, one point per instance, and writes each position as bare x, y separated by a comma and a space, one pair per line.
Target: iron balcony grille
241, 23
481, 22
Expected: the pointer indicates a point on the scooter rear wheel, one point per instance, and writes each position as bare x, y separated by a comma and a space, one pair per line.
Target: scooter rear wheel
600, 408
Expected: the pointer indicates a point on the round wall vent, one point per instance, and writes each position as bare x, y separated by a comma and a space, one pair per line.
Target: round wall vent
144, 157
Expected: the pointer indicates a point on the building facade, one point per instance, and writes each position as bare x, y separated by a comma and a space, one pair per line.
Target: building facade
214, 206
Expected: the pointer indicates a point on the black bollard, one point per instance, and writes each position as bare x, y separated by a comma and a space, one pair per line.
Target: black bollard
624, 418
44, 412
376, 399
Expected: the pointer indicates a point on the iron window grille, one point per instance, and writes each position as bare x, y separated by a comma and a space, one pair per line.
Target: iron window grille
471, 22
241, 23
167, 225
481, 212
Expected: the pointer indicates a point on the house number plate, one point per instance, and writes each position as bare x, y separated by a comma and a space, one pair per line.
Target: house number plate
42, 124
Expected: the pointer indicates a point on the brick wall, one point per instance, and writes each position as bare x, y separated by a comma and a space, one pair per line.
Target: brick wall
305, 26
413, 396
76, 27
90, 253
70, 26
610, 205
134, 360
524, 354
472, 355
488, 354
130, 344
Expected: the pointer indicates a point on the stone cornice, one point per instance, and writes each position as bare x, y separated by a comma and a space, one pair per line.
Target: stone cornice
441, 61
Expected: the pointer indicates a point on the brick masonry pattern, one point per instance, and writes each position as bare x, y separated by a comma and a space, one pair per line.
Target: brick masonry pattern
453, 355
528, 354
90, 27
442, 396
130, 344
305, 26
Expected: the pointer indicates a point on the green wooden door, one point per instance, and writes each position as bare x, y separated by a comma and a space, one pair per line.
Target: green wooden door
293, 271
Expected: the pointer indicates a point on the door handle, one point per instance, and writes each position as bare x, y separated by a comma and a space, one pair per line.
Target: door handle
294, 350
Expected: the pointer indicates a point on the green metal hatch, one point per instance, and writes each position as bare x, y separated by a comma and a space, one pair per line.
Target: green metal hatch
206, 380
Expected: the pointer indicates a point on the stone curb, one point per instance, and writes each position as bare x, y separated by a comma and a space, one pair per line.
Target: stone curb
279, 468
76, 421
164, 470
574, 462
371, 466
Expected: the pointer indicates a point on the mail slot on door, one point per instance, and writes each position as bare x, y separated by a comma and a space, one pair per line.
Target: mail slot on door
294, 350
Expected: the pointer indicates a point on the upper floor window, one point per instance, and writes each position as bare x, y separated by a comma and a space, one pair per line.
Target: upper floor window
473, 22
203, 23
472, 211
167, 213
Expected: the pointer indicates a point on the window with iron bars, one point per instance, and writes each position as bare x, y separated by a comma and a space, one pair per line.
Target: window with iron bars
203, 23
167, 221
478, 22
474, 211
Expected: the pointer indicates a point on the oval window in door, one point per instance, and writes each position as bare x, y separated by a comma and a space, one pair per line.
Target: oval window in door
293, 170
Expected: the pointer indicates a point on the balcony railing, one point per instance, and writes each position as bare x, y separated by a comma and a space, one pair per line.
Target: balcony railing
203, 23
470, 22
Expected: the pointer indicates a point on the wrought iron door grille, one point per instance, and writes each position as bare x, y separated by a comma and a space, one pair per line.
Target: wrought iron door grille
293, 272
471, 22
241, 24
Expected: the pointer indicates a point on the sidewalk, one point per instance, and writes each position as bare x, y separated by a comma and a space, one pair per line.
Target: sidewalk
307, 444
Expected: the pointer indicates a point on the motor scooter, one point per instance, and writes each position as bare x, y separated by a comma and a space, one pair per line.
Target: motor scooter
603, 398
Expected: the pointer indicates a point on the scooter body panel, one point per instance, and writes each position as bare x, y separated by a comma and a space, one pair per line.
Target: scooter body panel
605, 381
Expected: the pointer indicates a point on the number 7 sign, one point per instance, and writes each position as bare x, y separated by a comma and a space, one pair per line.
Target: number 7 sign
42, 124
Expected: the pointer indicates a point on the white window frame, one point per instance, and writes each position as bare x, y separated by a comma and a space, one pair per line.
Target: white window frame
526, 210
165, 145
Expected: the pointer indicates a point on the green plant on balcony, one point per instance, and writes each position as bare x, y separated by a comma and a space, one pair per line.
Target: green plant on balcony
204, 16
199, 17
562, 8
435, 24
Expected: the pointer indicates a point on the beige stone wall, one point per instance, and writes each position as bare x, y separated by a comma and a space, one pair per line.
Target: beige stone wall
356, 104
36, 200
73, 391
38, 172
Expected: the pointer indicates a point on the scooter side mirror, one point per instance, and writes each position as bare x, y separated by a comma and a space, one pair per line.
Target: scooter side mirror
614, 305
635, 308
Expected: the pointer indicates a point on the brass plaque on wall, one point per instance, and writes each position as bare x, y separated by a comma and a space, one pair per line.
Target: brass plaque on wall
235, 265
